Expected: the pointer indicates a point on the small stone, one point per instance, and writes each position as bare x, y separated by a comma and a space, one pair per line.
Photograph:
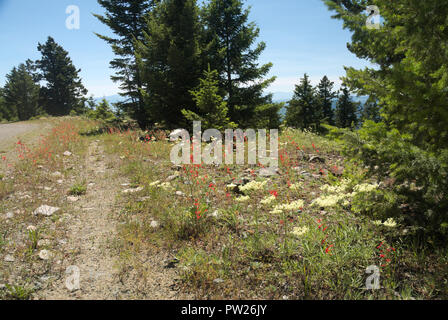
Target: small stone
9, 258
133, 190
154, 224
172, 177
47, 189
9, 215
56, 174
44, 254
215, 214
60, 181
219, 280
67, 153
317, 159
268, 172
45, 210
72, 198
43, 243
180, 193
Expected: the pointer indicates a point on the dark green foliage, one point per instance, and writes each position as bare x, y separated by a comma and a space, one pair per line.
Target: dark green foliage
212, 109
63, 90
346, 110
7, 113
410, 83
20, 95
325, 96
303, 110
102, 112
371, 111
420, 177
169, 60
127, 19
229, 48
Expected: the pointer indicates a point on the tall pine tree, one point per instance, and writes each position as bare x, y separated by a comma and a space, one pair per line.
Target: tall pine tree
127, 19
325, 97
346, 110
7, 113
169, 60
231, 50
303, 111
63, 90
21, 94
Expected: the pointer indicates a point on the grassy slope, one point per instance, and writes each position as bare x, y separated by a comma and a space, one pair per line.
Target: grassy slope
243, 250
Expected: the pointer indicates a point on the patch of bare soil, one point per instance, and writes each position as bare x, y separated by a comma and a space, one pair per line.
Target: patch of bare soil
91, 246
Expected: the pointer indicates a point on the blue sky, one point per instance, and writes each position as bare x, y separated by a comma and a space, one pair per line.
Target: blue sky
300, 36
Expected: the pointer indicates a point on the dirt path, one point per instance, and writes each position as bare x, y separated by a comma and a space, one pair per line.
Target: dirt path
91, 244
11, 131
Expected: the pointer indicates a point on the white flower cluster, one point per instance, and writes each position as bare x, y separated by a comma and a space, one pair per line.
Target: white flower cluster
242, 199
338, 194
295, 205
165, 185
254, 185
268, 200
300, 231
365, 187
330, 200
296, 186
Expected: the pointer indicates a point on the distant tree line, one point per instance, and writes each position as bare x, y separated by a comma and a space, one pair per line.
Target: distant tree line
311, 107
50, 85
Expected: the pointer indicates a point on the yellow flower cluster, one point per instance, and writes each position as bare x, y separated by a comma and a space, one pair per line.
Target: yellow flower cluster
254, 185
300, 231
388, 223
295, 205
268, 200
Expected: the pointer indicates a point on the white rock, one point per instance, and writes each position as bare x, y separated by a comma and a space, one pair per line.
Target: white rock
9, 215
45, 210
72, 198
215, 213
44, 254
47, 189
154, 224
9, 258
43, 242
67, 153
180, 193
219, 280
133, 190
60, 181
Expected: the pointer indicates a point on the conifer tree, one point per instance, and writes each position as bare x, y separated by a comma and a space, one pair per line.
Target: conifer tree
325, 96
303, 111
212, 109
371, 111
7, 113
21, 94
233, 52
346, 110
63, 90
169, 60
127, 19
